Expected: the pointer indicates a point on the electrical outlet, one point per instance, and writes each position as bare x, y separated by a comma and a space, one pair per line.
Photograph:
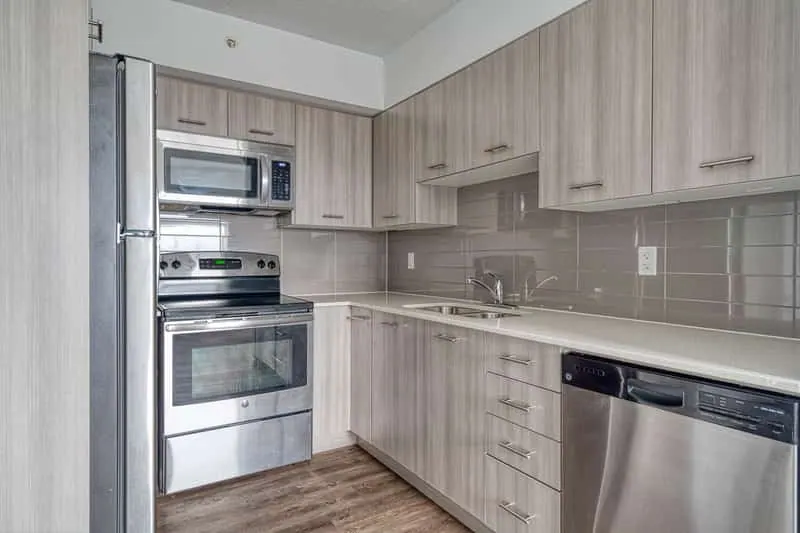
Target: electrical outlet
411, 260
648, 260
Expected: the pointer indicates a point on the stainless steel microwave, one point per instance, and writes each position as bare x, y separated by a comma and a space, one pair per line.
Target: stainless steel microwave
198, 172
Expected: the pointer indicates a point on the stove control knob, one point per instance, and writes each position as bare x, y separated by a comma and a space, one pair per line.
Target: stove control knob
163, 265
272, 265
245, 403
261, 263
176, 264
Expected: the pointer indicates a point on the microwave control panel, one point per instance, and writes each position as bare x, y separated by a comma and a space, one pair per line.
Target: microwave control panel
281, 181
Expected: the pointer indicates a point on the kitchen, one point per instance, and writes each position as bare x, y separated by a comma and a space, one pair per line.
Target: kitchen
553, 277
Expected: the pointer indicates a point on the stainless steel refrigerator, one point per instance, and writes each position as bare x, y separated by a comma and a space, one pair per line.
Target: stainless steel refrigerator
123, 285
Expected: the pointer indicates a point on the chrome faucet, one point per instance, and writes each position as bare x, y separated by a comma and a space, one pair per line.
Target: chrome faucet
529, 292
496, 292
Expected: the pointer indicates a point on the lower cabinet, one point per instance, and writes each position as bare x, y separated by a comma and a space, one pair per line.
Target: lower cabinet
361, 373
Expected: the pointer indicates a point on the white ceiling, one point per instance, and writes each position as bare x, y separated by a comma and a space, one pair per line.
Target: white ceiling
372, 26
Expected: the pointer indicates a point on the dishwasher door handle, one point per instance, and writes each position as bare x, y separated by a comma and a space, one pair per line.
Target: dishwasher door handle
655, 394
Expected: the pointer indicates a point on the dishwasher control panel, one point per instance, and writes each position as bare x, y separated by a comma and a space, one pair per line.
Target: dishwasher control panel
765, 415
769, 415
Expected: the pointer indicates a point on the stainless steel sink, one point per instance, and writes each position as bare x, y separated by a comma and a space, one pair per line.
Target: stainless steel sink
468, 312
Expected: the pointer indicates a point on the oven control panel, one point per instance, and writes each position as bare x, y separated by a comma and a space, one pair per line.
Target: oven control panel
217, 265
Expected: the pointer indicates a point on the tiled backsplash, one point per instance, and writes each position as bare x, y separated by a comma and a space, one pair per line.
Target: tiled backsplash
313, 262
728, 264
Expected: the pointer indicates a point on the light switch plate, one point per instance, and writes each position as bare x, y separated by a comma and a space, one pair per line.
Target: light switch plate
411, 260
648, 261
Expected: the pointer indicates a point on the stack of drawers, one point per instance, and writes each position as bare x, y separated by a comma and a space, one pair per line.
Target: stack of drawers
523, 436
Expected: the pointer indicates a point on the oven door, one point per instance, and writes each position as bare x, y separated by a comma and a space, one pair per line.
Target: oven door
225, 371
209, 171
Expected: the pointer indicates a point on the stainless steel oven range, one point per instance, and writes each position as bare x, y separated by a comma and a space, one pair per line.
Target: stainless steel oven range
236, 369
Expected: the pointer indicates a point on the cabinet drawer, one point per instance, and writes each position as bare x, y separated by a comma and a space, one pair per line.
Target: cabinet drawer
523, 404
531, 362
516, 503
525, 450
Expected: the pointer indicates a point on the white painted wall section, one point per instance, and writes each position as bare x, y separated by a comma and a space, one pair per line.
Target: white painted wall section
189, 38
471, 30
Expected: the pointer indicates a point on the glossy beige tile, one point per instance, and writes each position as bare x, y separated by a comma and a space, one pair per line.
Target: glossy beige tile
195, 225
309, 264
359, 261
250, 234
747, 206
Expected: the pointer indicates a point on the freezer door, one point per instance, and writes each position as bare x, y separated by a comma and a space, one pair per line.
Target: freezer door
630, 468
139, 146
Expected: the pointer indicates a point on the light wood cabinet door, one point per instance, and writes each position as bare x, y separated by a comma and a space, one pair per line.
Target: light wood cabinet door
451, 414
441, 124
261, 119
726, 81
393, 170
333, 173
504, 102
192, 107
361, 373
394, 390
596, 103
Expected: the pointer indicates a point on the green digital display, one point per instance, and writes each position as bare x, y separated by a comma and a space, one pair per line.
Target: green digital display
219, 262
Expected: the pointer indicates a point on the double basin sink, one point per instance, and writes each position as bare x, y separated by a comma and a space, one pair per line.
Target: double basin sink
465, 311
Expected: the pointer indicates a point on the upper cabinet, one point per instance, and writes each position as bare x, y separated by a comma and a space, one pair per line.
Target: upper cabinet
333, 175
596, 103
441, 129
504, 103
399, 201
726, 97
257, 118
192, 107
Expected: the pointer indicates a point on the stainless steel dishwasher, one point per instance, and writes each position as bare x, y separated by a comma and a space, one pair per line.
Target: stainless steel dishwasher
647, 451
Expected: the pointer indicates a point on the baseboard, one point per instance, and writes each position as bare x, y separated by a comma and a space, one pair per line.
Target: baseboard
431, 493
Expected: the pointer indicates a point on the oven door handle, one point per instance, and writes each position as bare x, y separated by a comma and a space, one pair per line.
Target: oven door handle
217, 324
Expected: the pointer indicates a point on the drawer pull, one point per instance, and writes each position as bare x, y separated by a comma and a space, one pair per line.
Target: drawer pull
359, 318
516, 450
389, 324
448, 338
437, 166
391, 216
268, 133
516, 404
588, 185
192, 122
511, 359
498, 148
336, 217
731, 161
511, 508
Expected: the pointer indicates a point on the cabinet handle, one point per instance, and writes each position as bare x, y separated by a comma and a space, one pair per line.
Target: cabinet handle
511, 508
498, 148
731, 161
588, 185
516, 450
437, 166
192, 122
359, 318
269, 133
448, 338
516, 404
391, 216
335, 217
389, 324
511, 359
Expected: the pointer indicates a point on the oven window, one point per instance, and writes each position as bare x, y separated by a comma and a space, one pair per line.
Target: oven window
210, 366
189, 172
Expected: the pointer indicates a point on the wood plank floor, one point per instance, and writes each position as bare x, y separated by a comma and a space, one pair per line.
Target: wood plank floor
341, 491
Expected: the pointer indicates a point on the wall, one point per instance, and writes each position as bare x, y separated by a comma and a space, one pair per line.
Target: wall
725, 263
44, 281
313, 262
471, 30
185, 37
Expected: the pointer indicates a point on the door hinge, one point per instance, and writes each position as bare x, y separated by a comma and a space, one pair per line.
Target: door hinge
96, 30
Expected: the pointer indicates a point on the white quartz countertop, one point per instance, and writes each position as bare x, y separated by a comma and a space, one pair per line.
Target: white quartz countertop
758, 361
